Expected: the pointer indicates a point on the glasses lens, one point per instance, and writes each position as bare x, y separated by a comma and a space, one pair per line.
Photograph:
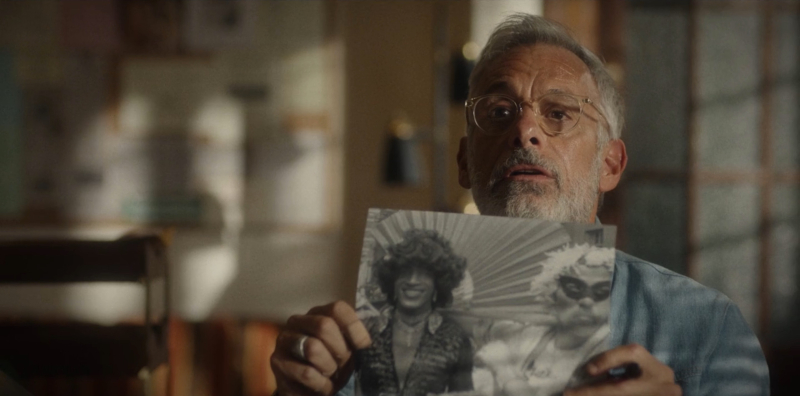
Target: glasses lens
601, 291
573, 288
495, 114
560, 113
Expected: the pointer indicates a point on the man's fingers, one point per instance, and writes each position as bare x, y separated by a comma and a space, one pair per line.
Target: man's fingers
345, 316
656, 378
304, 375
314, 350
326, 330
619, 356
329, 334
627, 388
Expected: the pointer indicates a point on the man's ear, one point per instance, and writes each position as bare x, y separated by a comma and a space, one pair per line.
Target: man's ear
615, 158
461, 159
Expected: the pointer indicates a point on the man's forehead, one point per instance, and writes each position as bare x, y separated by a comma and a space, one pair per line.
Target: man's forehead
547, 63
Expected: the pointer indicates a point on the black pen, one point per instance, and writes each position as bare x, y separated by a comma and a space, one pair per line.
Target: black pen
620, 373
626, 371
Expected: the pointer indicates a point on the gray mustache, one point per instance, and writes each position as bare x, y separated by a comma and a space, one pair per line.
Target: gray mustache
522, 157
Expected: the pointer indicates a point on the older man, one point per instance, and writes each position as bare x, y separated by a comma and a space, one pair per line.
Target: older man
543, 141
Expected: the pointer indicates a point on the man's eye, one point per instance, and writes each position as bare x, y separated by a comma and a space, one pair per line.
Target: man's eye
501, 113
557, 115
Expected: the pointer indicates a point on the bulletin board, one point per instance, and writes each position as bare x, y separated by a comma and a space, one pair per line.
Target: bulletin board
152, 117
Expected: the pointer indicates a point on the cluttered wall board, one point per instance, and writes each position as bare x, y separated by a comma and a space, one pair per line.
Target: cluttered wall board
154, 119
166, 115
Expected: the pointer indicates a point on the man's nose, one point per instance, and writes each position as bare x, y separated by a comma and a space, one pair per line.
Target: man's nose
586, 302
527, 131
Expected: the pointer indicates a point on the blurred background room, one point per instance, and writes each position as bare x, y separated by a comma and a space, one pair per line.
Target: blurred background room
177, 177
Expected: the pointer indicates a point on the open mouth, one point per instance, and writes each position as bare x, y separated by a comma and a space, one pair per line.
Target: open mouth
526, 172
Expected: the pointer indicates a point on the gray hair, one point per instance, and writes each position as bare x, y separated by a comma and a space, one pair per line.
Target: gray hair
524, 29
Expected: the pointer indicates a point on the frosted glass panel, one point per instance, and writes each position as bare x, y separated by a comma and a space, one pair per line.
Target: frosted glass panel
728, 109
786, 45
786, 127
727, 210
728, 250
728, 134
786, 122
655, 223
785, 231
728, 52
657, 89
785, 264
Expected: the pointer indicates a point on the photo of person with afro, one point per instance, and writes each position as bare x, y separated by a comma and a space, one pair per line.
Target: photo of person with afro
416, 350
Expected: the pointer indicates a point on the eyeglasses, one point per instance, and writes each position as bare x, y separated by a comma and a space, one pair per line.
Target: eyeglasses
557, 113
577, 289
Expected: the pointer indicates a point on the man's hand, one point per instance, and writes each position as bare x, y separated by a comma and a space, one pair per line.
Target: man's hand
334, 332
657, 379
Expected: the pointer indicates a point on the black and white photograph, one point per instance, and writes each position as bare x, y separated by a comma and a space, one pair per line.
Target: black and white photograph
480, 305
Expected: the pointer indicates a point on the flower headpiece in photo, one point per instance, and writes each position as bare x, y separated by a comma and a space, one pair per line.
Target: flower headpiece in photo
573, 260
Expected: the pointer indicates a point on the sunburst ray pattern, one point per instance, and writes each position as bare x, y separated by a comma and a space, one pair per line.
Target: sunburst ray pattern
502, 256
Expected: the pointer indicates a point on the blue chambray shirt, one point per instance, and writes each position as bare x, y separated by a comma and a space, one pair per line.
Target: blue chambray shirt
697, 331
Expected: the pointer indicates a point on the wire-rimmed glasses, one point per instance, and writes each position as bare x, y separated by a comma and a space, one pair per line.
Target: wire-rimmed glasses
557, 113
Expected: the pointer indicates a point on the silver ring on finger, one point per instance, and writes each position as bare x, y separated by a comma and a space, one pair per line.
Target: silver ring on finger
299, 349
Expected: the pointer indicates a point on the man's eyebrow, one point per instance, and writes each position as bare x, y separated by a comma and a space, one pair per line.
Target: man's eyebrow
557, 90
499, 86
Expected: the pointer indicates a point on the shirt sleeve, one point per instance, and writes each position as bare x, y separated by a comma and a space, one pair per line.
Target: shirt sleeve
736, 364
348, 389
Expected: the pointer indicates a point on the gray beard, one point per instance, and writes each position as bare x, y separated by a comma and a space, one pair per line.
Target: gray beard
567, 201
